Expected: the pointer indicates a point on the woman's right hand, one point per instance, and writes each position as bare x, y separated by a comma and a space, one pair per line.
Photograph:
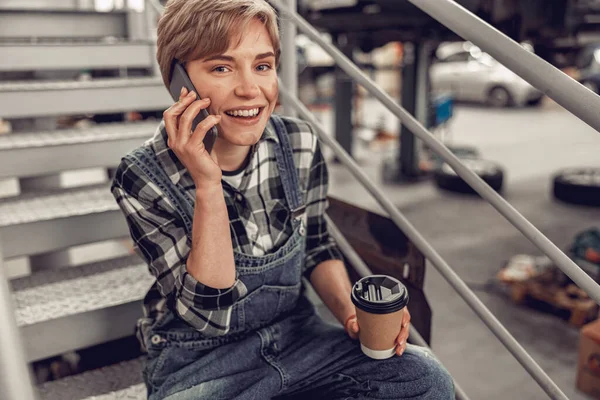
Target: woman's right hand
189, 147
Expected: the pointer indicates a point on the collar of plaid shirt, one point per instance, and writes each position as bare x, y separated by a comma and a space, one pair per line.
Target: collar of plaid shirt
174, 168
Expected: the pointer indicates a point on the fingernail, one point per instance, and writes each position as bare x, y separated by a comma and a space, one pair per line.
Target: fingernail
191, 94
182, 91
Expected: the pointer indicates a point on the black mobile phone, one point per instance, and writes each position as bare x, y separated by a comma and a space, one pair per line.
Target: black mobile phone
179, 79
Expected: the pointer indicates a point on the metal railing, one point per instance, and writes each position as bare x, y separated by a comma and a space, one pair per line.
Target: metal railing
555, 84
580, 101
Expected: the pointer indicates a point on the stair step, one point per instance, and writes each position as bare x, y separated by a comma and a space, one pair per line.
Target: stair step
79, 216
21, 56
21, 99
62, 23
46, 152
116, 382
71, 308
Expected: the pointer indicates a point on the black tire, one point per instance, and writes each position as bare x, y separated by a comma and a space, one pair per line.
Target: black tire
578, 186
499, 97
445, 178
459, 151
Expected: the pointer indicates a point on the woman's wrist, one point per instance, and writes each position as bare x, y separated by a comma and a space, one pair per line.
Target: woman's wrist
208, 192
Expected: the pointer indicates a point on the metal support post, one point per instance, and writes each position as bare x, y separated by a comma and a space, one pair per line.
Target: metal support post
152, 11
343, 95
415, 100
289, 66
15, 380
409, 163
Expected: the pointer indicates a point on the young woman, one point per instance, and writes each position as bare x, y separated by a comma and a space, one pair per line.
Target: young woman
229, 235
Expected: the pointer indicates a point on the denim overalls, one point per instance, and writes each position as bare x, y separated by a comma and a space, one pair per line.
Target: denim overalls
277, 345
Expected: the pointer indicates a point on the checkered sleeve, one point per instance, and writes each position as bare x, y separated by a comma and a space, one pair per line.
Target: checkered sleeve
161, 240
320, 246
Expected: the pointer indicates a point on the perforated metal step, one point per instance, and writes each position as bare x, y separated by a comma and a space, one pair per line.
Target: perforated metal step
54, 221
98, 83
21, 99
67, 309
96, 133
21, 55
116, 382
46, 152
60, 293
62, 23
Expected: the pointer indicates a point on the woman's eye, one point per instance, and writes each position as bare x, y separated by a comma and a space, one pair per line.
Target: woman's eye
263, 67
220, 69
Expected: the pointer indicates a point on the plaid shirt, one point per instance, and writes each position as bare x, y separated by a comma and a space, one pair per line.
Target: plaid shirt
258, 216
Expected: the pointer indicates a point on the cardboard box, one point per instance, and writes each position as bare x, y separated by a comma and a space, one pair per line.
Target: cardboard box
588, 372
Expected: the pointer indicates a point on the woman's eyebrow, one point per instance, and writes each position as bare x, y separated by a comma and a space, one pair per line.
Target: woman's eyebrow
264, 55
220, 57
231, 59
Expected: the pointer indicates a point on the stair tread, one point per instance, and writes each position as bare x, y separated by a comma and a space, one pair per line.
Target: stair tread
75, 41
35, 207
97, 133
115, 382
59, 293
97, 83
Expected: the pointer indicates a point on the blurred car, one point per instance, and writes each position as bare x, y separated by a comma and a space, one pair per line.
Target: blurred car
469, 74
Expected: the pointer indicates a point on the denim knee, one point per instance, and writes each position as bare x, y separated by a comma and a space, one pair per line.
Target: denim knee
439, 381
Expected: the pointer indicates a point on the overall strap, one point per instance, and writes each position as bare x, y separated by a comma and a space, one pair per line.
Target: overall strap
287, 170
146, 160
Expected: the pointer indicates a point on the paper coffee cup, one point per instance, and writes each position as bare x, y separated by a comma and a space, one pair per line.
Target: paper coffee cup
380, 302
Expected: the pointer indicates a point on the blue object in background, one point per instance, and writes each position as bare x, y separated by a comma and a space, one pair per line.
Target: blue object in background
443, 106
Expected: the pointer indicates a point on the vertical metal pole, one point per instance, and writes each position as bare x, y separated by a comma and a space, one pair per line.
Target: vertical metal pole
408, 161
15, 381
151, 11
343, 96
289, 66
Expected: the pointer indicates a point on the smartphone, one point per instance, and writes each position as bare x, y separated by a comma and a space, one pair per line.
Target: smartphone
179, 79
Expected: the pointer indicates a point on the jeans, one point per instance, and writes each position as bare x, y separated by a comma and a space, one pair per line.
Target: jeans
301, 357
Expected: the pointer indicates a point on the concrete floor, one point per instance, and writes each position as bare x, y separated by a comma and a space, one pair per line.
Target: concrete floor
475, 240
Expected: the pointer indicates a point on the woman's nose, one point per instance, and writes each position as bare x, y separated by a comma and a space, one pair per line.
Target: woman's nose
247, 87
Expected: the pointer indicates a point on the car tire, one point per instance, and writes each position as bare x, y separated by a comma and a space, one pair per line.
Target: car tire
459, 151
578, 186
499, 97
492, 173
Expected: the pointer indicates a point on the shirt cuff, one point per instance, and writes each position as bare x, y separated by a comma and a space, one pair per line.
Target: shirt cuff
194, 294
326, 252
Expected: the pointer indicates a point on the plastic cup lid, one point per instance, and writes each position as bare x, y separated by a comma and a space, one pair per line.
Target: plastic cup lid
379, 294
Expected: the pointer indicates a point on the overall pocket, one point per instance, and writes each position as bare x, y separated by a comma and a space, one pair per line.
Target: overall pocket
261, 307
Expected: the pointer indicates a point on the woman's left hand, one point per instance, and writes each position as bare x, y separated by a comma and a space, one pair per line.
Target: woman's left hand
352, 328
403, 335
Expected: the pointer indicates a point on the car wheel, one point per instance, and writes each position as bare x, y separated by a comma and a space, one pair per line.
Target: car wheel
459, 151
592, 86
499, 97
445, 177
578, 186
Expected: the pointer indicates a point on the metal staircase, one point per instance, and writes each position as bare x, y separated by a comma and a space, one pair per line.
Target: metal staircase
60, 309
57, 310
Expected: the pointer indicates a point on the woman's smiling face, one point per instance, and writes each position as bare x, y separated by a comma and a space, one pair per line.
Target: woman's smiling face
241, 84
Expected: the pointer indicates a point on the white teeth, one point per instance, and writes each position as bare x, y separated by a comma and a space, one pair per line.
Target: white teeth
244, 113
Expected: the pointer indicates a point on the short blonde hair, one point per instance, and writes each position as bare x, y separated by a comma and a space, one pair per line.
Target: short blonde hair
193, 29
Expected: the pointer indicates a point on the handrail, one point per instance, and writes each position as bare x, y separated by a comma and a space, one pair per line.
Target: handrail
554, 83
505, 208
15, 380
430, 253
363, 270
